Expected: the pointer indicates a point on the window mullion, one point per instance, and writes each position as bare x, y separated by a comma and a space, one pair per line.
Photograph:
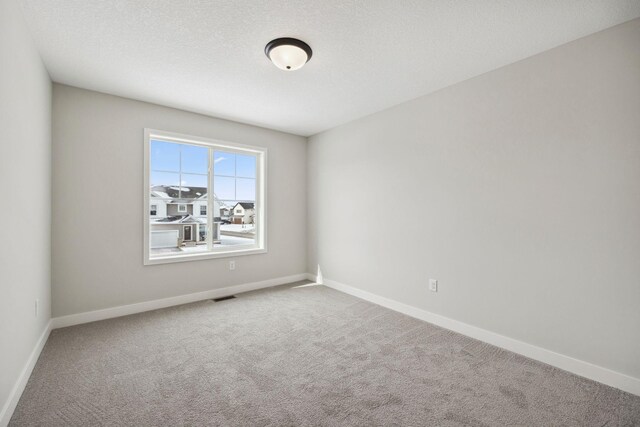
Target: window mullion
210, 202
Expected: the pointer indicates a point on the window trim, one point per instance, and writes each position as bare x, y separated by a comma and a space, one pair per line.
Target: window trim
260, 245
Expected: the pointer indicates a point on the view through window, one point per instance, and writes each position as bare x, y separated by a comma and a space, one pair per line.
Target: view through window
202, 198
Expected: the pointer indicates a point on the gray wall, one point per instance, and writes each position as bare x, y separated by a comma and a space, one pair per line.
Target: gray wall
25, 173
523, 186
98, 164
172, 210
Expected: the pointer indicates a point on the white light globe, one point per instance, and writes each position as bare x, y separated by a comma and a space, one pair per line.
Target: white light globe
288, 57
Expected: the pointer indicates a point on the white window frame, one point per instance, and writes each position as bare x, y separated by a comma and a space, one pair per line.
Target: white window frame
260, 243
151, 208
205, 210
182, 208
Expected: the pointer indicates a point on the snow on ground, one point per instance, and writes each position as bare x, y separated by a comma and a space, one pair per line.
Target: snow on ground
238, 228
233, 240
224, 241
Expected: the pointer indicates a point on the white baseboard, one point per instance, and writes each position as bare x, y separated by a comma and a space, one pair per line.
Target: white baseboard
21, 383
124, 310
575, 366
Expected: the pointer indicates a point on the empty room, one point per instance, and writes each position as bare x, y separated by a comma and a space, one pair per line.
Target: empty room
320, 213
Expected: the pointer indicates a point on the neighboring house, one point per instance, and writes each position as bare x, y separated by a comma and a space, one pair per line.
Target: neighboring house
225, 212
157, 209
165, 201
173, 231
244, 213
178, 215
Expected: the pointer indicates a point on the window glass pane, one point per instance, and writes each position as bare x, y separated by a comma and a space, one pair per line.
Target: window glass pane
245, 189
165, 156
164, 179
194, 159
237, 223
224, 187
245, 166
179, 185
224, 163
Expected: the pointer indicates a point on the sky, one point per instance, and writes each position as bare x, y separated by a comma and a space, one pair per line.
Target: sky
233, 174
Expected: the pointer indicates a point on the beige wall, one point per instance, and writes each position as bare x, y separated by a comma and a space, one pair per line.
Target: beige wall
526, 181
25, 173
98, 156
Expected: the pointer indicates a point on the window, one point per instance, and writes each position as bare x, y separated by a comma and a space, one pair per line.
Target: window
186, 176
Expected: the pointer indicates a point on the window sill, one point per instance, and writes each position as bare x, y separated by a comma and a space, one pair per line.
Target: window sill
200, 256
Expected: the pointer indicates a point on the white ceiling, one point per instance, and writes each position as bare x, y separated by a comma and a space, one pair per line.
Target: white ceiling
207, 56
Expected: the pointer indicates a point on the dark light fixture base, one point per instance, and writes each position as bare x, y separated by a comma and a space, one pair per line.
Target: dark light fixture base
289, 41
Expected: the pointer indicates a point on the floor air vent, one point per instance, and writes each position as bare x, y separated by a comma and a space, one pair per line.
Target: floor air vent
223, 298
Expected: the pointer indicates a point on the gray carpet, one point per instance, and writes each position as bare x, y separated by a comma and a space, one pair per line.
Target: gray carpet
299, 356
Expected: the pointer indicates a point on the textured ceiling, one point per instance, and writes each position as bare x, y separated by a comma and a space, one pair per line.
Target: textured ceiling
207, 56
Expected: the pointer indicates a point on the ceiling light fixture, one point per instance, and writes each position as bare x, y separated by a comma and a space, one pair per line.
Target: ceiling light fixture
288, 54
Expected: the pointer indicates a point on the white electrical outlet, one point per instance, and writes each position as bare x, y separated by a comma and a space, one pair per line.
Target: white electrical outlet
232, 265
433, 285
37, 307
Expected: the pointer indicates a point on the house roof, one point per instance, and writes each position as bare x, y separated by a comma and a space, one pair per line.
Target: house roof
173, 192
181, 219
245, 205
